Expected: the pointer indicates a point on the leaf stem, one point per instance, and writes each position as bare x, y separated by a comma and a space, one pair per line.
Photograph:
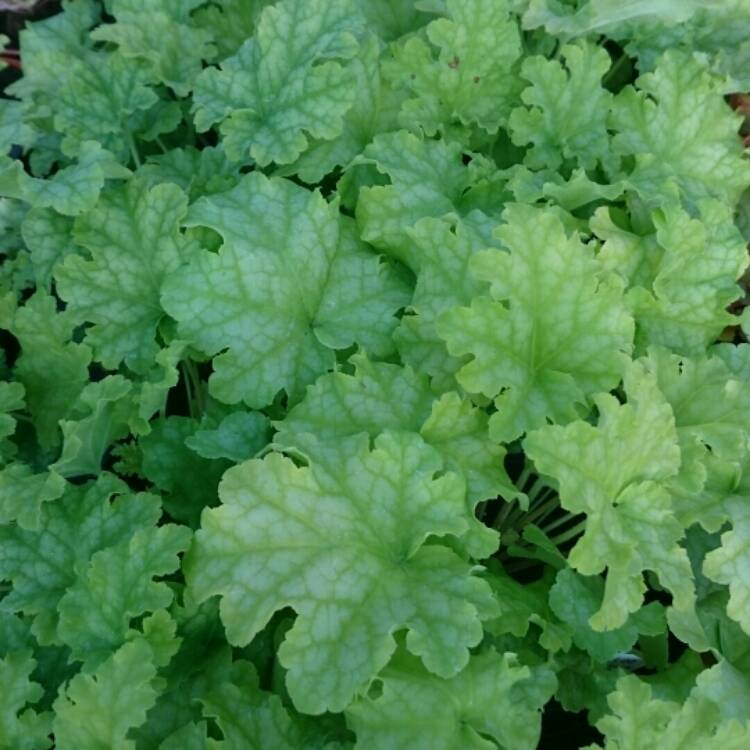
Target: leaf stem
537, 489
503, 514
133, 149
195, 380
615, 69
569, 534
524, 477
542, 510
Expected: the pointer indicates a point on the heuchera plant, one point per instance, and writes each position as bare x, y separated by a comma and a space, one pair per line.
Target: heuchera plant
363, 386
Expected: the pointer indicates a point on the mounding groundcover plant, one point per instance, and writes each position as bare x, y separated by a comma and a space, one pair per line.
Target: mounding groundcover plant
374, 378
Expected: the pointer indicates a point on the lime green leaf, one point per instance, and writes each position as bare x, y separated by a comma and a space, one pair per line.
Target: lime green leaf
681, 134
47, 45
683, 277
536, 362
729, 563
163, 39
614, 473
117, 585
470, 79
350, 589
493, 697
579, 190
42, 564
520, 605
639, 720
567, 109
70, 191
21, 728
284, 85
708, 402
97, 710
135, 244
52, 368
380, 397
160, 632
442, 253
290, 283
711, 409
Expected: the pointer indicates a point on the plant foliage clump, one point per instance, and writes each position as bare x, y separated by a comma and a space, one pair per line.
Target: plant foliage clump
374, 376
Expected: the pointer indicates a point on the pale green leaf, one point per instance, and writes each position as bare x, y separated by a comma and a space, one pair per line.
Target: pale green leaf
494, 702
22, 493
97, 710
47, 235
101, 415
566, 111
342, 542
117, 586
441, 251
599, 16
682, 277
730, 563
374, 110
70, 191
52, 368
428, 178
291, 283
286, 84
21, 727
463, 70
380, 397
230, 22
681, 134
165, 40
104, 98
135, 244
43, 563
638, 720
238, 436
198, 173
392, 18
